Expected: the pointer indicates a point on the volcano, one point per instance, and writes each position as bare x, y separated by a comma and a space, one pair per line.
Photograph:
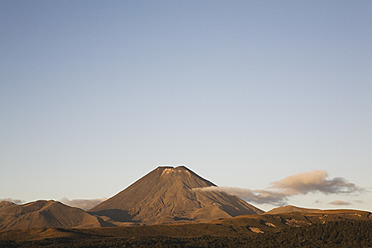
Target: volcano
169, 195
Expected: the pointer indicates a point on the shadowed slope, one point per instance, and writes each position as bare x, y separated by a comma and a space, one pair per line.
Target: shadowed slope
166, 195
44, 214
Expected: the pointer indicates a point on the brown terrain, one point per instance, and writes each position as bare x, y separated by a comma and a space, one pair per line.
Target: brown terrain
237, 226
44, 214
169, 195
291, 216
164, 203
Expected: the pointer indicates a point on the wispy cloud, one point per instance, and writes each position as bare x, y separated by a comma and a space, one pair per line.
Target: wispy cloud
340, 203
258, 196
298, 184
16, 201
84, 204
314, 181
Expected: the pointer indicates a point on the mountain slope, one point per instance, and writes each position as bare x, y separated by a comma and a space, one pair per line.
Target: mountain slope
44, 214
168, 195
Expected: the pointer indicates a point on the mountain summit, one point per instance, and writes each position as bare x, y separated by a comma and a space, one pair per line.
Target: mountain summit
168, 195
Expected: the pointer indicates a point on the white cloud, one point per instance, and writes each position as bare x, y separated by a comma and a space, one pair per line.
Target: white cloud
16, 201
84, 204
314, 181
257, 196
302, 183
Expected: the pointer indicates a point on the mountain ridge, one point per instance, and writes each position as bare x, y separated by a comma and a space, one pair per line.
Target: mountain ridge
293, 209
44, 213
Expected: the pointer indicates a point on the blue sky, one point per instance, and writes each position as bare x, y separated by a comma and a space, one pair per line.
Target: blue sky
94, 94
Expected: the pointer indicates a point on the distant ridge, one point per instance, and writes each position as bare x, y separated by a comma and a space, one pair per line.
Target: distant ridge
291, 209
44, 214
294, 209
167, 195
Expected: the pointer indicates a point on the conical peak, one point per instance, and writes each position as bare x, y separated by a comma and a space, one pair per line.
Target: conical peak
166, 193
180, 167
178, 170
171, 169
162, 167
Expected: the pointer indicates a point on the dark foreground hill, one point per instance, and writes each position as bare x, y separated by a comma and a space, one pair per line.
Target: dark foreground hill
342, 228
169, 195
44, 214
